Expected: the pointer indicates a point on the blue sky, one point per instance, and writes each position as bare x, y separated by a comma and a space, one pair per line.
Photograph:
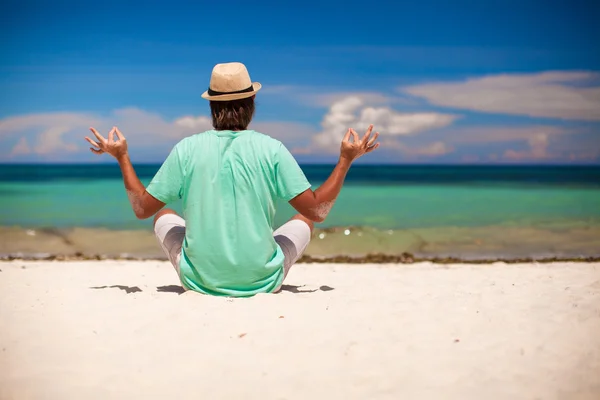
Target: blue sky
444, 82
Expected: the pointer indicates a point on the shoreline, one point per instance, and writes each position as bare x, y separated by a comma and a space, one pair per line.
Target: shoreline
481, 244
405, 259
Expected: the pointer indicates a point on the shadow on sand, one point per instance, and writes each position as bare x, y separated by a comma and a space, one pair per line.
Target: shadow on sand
287, 288
170, 289
298, 289
127, 289
180, 290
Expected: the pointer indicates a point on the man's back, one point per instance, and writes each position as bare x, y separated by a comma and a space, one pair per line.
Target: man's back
229, 182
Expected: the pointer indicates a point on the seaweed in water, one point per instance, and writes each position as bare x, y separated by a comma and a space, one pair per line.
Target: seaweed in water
373, 258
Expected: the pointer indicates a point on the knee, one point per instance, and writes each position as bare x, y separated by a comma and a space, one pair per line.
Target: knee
307, 221
162, 212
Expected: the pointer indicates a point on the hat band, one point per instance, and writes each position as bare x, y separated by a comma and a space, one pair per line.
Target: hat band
215, 93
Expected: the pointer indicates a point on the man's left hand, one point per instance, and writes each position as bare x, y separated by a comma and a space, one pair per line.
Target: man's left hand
116, 148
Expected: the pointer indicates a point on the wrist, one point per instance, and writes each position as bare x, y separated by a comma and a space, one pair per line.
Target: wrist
122, 157
344, 162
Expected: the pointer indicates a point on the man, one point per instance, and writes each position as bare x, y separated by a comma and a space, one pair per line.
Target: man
229, 179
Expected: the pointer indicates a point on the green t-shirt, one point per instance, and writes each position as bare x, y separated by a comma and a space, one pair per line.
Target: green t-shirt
229, 182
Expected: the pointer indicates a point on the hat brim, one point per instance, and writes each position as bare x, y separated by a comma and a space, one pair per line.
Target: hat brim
233, 96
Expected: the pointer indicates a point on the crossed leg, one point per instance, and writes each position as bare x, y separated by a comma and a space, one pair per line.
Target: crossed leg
169, 229
293, 237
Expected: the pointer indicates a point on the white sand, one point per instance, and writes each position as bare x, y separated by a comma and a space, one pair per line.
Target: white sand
384, 332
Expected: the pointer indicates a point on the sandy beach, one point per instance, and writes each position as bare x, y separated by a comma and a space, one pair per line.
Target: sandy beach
125, 330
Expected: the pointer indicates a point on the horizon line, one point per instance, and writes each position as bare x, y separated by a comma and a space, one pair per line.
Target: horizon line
496, 164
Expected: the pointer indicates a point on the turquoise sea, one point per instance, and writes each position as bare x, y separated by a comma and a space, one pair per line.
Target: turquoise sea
385, 197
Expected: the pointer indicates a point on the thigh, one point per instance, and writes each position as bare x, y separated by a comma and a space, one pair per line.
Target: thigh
170, 232
293, 237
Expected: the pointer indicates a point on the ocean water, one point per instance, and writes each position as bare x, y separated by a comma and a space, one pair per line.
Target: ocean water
385, 197
559, 205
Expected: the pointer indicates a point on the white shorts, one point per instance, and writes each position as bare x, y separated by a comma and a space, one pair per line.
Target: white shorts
293, 238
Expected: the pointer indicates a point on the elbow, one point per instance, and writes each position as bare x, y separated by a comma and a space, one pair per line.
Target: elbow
317, 219
141, 215
143, 210
314, 217
321, 211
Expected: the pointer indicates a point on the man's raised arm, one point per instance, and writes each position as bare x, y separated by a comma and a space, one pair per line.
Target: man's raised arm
142, 203
315, 205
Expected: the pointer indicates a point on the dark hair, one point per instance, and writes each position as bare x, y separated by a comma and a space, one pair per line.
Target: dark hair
234, 115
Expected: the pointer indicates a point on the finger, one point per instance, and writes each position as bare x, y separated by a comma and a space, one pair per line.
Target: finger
111, 136
96, 151
98, 136
119, 134
373, 139
365, 138
93, 143
354, 136
347, 135
370, 149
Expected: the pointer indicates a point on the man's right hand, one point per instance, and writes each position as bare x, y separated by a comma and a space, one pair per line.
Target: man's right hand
316, 205
351, 150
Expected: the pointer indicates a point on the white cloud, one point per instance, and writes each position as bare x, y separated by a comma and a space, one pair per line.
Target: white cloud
524, 143
538, 149
555, 94
351, 112
537, 137
58, 136
22, 147
52, 136
50, 129
51, 141
53, 132
433, 149
539, 145
136, 123
554, 143
191, 123
19, 123
497, 134
586, 156
586, 145
281, 130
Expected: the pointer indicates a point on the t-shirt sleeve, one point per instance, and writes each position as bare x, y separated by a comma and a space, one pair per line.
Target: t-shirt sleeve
291, 181
167, 184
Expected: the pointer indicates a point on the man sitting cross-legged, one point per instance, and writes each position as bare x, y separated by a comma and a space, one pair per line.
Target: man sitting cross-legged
229, 180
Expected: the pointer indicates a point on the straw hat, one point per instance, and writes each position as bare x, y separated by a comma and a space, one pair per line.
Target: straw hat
230, 81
